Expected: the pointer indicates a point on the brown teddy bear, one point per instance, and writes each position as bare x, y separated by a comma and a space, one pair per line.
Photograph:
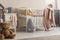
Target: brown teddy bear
7, 32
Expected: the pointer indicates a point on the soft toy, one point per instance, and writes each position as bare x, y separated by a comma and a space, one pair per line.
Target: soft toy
8, 34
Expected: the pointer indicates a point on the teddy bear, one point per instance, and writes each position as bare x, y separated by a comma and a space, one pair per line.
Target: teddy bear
8, 34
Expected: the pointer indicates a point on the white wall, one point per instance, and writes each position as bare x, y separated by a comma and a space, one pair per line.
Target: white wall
58, 4
38, 4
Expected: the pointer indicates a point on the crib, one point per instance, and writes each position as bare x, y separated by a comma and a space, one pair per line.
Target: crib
37, 19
